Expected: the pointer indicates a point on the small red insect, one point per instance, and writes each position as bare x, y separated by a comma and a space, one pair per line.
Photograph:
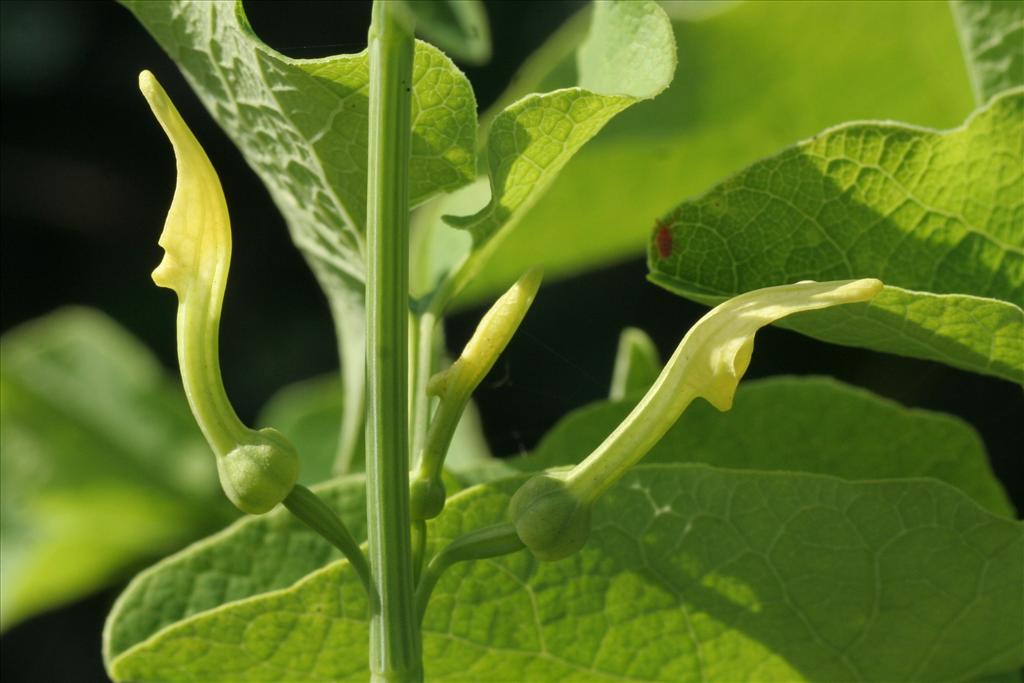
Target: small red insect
663, 240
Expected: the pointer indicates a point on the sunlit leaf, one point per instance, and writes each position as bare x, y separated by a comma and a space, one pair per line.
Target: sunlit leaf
936, 215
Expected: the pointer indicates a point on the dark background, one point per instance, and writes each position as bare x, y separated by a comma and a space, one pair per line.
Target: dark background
86, 180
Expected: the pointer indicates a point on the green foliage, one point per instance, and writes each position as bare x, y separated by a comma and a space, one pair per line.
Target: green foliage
815, 532
274, 109
692, 572
301, 124
992, 37
935, 215
752, 79
102, 466
207, 593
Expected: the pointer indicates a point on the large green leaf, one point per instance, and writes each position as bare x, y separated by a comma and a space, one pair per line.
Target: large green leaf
751, 80
992, 38
936, 215
254, 556
691, 573
102, 466
807, 424
302, 126
628, 56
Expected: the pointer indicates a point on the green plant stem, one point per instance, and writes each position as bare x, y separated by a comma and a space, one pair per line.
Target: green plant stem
419, 547
438, 439
395, 649
315, 513
422, 350
492, 541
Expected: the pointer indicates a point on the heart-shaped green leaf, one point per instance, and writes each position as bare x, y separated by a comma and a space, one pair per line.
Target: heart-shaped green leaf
254, 556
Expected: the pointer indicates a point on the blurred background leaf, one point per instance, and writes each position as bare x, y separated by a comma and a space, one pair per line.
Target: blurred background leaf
992, 37
103, 467
309, 414
458, 27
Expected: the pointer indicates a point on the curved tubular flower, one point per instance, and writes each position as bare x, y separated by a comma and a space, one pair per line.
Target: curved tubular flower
455, 384
257, 468
551, 512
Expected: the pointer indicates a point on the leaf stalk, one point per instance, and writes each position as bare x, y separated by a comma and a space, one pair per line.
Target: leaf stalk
491, 541
318, 516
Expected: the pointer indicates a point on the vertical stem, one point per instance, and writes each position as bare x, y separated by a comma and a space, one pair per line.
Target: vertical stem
395, 651
422, 354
